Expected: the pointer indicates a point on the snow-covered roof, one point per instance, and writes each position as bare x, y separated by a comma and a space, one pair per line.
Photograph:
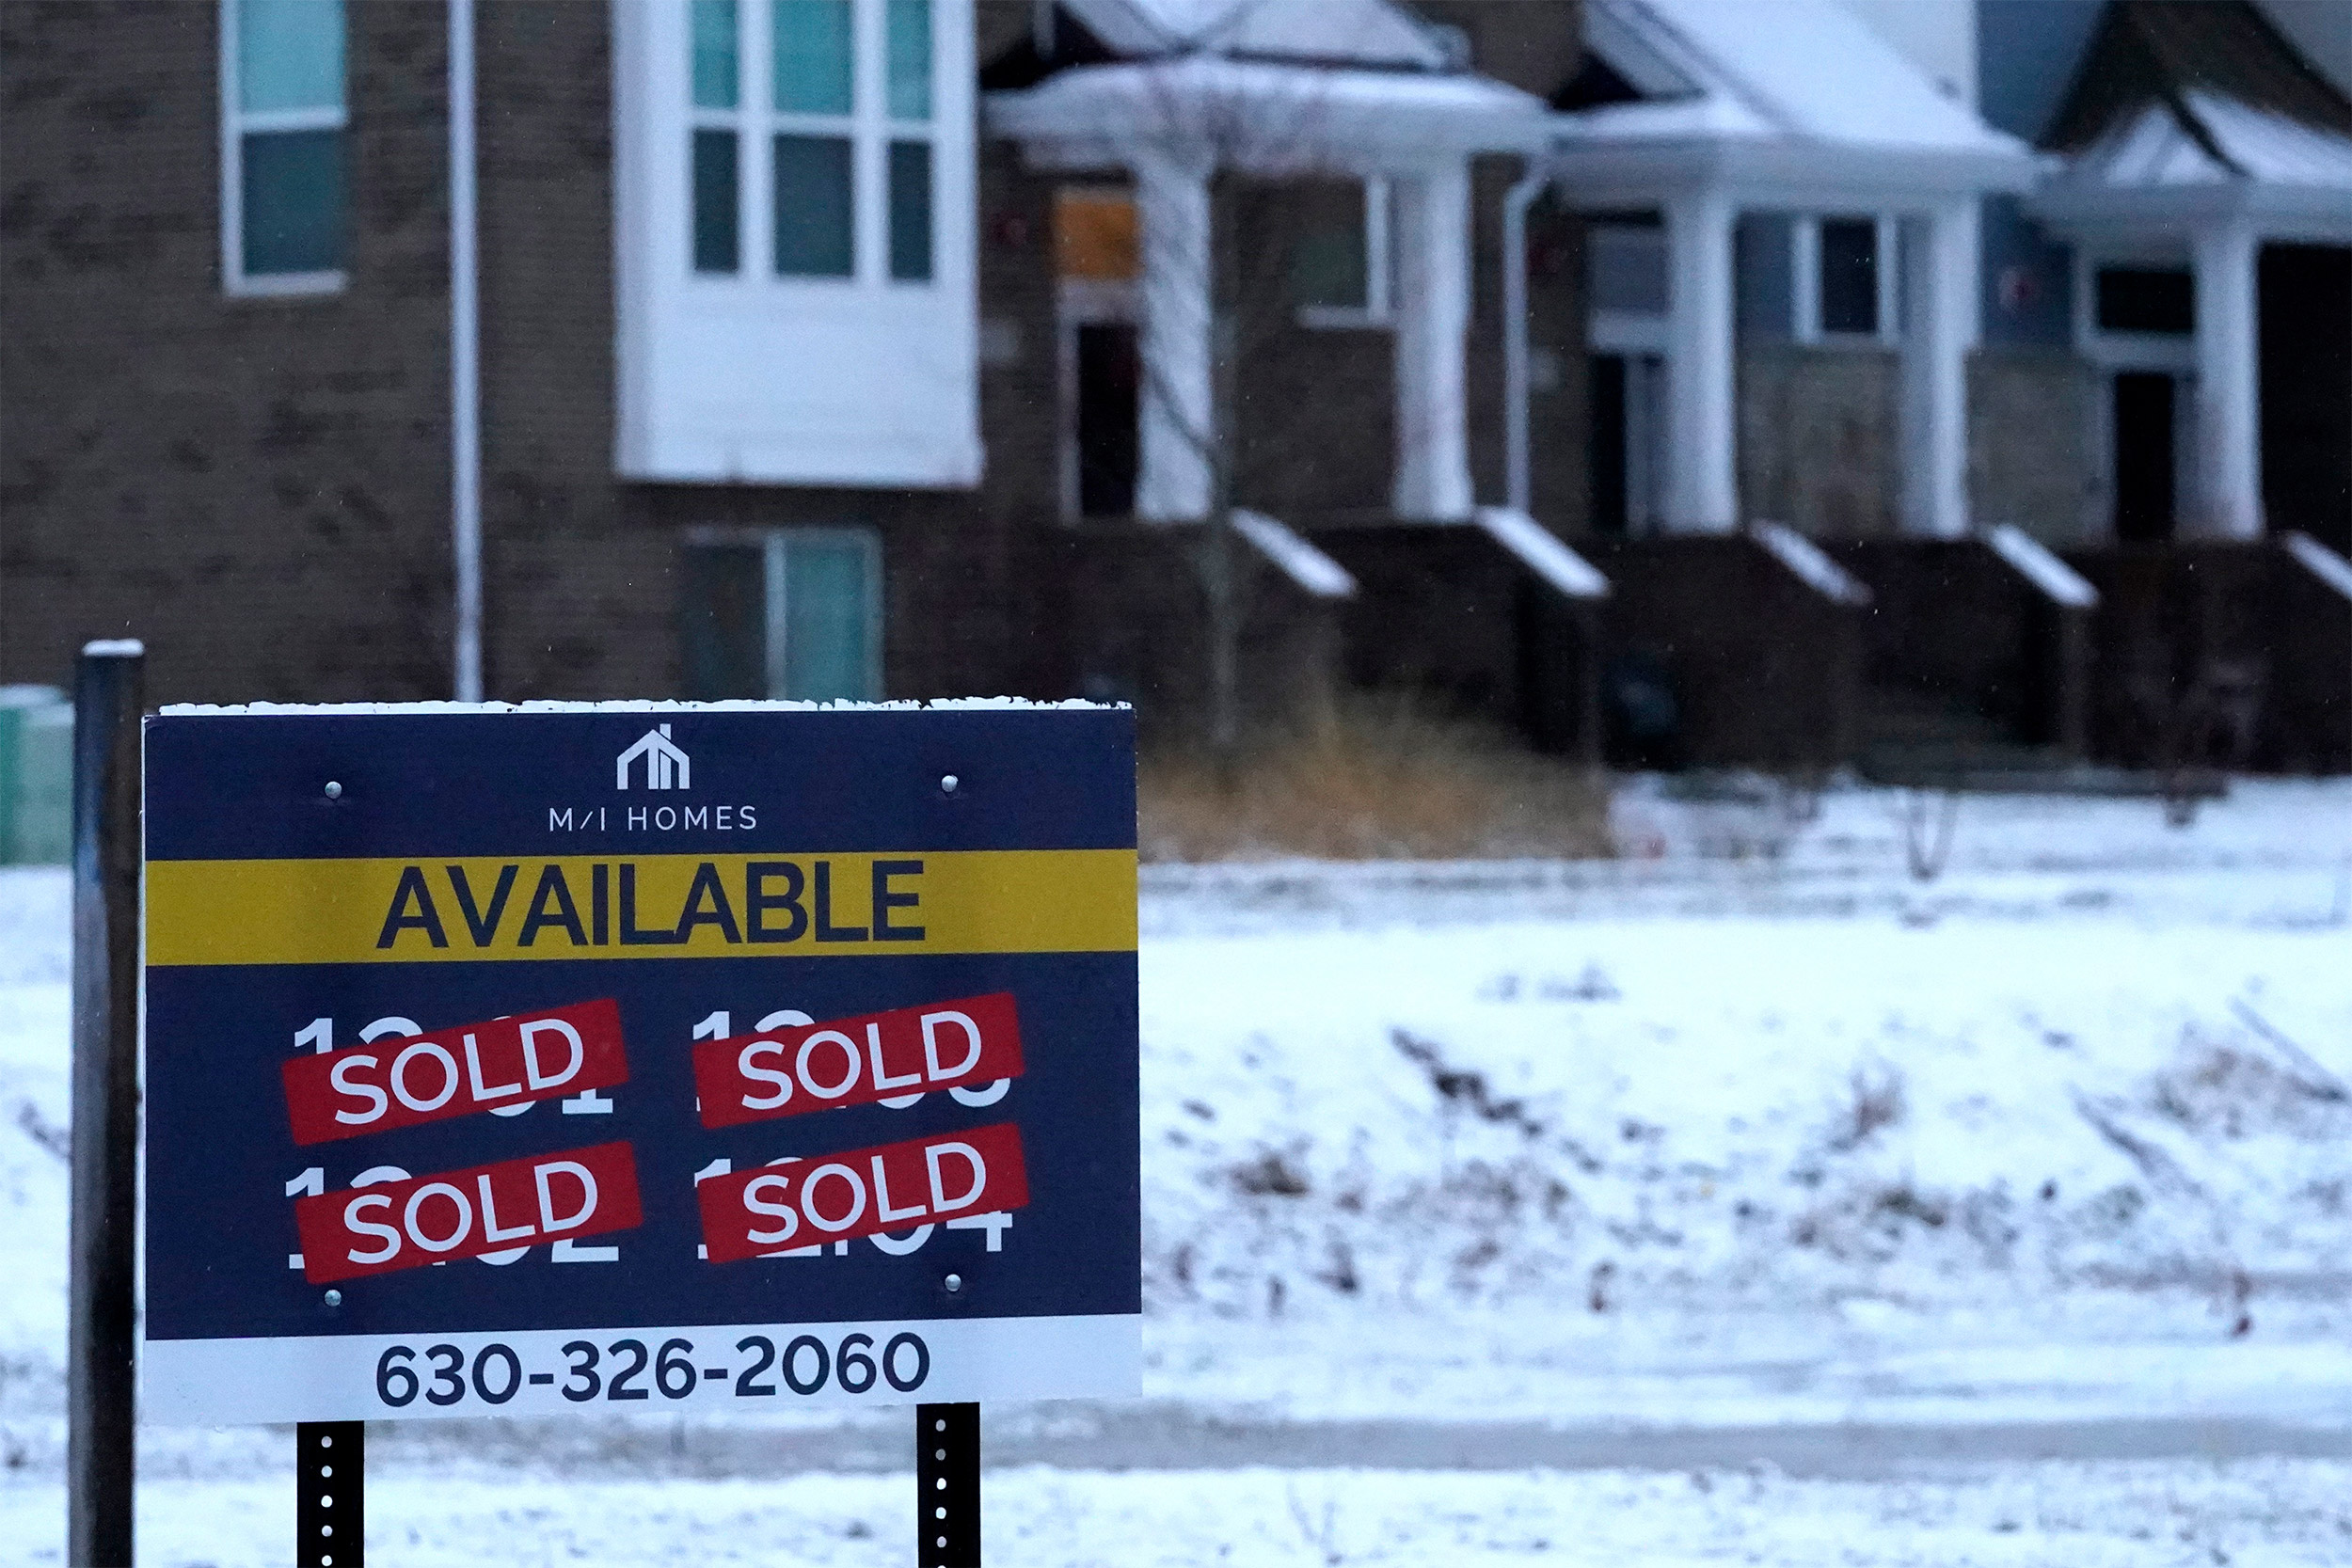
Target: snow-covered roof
2201, 157
1264, 116
1777, 90
1354, 32
2182, 115
2156, 147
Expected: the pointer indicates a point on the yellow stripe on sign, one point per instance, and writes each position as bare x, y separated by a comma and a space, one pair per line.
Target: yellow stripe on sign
647, 907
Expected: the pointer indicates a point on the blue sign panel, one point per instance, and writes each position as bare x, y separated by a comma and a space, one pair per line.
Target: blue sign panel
541, 1060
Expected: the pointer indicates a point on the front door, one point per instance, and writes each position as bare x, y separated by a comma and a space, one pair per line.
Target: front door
1109, 385
2145, 409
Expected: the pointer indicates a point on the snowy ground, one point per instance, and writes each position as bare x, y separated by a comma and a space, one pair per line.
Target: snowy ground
1748, 1146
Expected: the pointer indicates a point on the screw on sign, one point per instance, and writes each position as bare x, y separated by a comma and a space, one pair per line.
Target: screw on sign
375, 1011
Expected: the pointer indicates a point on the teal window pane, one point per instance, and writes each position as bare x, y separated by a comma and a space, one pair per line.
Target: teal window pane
717, 78
293, 191
289, 54
828, 597
1329, 265
911, 210
909, 60
814, 211
812, 56
717, 246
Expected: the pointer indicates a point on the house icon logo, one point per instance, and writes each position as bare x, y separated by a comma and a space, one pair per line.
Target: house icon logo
666, 765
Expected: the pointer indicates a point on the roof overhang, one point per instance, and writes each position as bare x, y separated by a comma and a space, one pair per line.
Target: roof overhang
1776, 171
1265, 117
2317, 214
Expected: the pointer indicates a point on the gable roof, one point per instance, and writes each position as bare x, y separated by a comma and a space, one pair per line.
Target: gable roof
1807, 70
1365, 33
1275, 84
2183, 60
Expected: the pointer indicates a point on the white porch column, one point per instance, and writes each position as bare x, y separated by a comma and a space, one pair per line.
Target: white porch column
1433, 247
1172, 481
1940, 326
1702, 476
2229, 493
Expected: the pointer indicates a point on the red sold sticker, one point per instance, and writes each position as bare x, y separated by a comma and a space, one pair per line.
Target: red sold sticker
455, 1072
852, 1061
464, 1214
835, 1197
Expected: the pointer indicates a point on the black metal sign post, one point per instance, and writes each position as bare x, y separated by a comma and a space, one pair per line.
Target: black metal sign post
330, 1495
947, 1485
100, 1375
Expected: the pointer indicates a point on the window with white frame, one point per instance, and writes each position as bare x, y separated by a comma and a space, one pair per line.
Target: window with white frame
284, 124
1843, 282
788, 613
1343, 264
838, 124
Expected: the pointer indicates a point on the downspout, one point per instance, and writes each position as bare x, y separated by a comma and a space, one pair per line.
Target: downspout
465, 355
1518, 486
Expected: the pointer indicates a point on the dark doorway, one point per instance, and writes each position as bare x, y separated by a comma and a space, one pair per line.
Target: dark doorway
1607, 462
1109, 373
2307, 390
2143, 455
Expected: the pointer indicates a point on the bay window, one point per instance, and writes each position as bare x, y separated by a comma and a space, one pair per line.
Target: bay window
793, 227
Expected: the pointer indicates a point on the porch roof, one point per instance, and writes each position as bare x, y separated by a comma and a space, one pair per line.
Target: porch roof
2189, 115
1266, 116
1795, 102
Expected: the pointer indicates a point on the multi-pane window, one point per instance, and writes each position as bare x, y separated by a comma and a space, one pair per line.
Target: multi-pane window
784, 612
284, 125
844, 117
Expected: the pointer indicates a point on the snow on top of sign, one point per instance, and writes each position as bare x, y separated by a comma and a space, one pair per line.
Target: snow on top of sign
932, 704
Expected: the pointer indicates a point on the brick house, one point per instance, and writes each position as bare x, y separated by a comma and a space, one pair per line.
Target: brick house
1611, 368
784, 362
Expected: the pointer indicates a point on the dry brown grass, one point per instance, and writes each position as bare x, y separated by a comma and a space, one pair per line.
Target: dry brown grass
1378, 779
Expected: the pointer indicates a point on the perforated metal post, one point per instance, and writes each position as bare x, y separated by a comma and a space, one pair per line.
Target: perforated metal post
948, 1483
330, 1495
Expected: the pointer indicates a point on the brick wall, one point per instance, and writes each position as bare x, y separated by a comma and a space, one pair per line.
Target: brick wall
261, 487
257, 486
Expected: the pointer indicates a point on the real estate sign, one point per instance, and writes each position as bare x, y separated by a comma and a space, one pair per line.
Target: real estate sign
569, 1059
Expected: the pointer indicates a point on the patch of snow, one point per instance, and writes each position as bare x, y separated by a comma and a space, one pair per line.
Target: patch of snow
2007, 1516
2321, 562
1301, 562
1544, 552
2038, 564
1810, 565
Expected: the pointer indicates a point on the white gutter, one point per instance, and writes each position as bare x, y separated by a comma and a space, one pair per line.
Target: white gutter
465, 355
1518, 486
